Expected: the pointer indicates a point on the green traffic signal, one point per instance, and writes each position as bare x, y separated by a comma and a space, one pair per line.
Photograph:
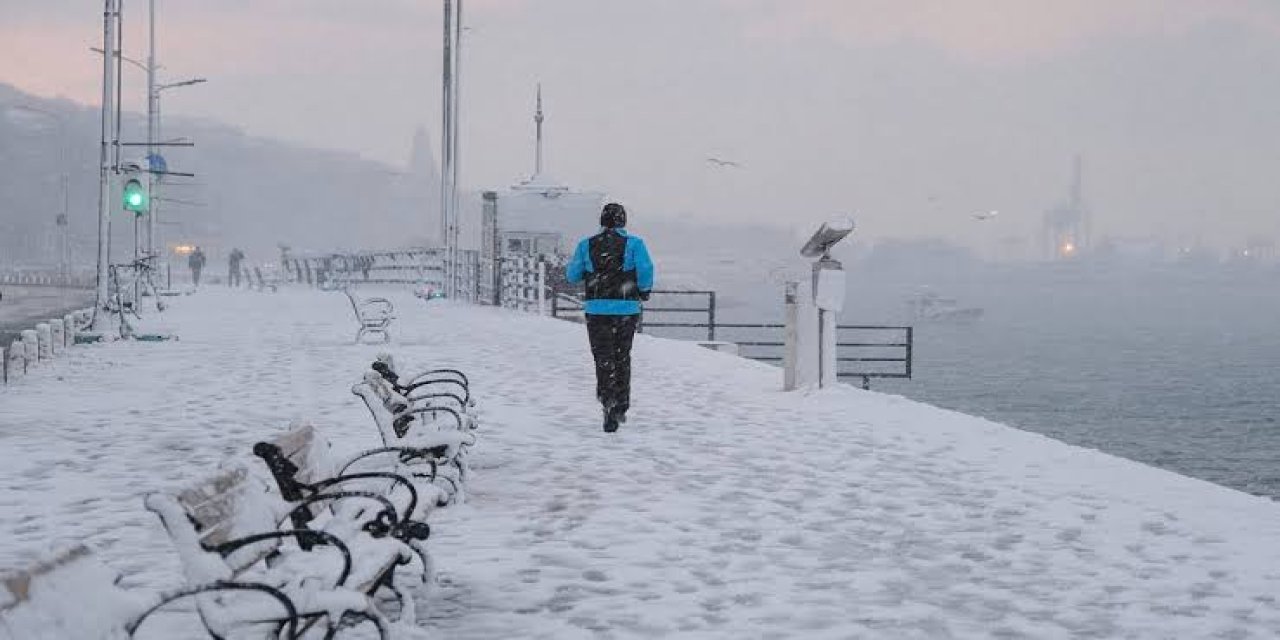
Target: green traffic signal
135, 197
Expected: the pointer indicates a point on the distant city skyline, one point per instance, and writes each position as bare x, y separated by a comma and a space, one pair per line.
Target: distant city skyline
912, 116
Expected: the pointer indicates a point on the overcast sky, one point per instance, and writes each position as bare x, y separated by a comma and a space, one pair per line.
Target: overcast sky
911, 114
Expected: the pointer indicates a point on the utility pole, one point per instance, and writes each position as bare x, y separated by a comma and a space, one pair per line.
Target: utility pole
449, 203
153, 180
455, 164
446, 146
110, 24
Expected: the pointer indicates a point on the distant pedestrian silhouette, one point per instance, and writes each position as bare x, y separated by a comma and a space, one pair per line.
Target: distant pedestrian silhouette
196, 261
233, 267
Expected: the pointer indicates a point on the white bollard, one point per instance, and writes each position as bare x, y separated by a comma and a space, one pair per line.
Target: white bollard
58, 331
44, 341
16, 359
30, 347
542, 288
69, 330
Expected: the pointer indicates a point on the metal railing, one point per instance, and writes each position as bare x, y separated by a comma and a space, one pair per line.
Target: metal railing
569, 307
862, 351
877, 359
886, 353
709, 311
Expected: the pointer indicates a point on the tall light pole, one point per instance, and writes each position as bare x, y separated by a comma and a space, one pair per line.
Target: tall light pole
449, 203
152, 116
110, 25
446, 147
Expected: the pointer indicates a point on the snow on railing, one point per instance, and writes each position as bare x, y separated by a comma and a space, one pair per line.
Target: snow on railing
47, 278
41, 344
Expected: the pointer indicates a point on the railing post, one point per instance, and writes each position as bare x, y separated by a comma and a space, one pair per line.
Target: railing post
542, 288
711, 316
910, 342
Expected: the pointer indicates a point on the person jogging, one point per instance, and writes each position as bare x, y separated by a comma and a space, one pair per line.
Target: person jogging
618, 274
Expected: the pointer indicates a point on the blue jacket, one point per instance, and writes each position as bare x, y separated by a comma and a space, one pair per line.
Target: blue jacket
636, 257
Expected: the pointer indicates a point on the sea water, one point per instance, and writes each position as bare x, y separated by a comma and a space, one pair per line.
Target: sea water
1173, 367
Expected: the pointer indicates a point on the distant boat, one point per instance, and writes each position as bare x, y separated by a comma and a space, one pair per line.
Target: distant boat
931, 307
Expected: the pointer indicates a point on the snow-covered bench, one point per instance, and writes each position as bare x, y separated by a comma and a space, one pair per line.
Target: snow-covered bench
69, 595
373, 314
309, 476
252, 579
401, 422
263, 283
433, 381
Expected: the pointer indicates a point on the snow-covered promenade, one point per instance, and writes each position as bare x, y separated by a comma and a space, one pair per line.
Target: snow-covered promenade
724, 508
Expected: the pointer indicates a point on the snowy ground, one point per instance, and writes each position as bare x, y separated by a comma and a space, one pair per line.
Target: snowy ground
725, 508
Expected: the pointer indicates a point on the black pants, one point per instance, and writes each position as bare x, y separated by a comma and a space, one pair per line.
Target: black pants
233, 276
611, 338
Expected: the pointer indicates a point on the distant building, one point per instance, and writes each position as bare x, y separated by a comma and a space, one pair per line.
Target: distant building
541, 215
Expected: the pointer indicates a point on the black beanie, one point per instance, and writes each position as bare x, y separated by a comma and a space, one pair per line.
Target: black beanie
613, 216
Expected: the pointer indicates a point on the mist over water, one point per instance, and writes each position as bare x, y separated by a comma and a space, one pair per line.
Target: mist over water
1178, 370
1173, 367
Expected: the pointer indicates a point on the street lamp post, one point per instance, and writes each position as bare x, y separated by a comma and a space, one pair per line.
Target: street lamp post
449, 203
152, 116
110, 23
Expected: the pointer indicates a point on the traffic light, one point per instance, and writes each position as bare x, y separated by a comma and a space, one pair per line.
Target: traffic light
135, 197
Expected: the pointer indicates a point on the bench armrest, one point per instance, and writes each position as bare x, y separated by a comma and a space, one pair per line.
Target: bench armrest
386, 522
306, 538
406, 454
410, 388
417, 411
462, 404
290, 616
462, 377
386, 475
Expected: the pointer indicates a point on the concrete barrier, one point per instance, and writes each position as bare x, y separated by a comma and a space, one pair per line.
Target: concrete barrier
58, 333
44, 342
41, 344
15, 361
31, 344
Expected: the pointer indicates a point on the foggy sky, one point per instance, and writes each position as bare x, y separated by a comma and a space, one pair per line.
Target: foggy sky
910, 114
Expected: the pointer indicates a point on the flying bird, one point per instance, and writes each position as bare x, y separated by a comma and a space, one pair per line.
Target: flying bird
986, 216
724, 163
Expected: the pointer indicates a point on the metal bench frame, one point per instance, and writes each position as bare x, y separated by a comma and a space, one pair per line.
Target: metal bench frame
204, 519
373, 314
